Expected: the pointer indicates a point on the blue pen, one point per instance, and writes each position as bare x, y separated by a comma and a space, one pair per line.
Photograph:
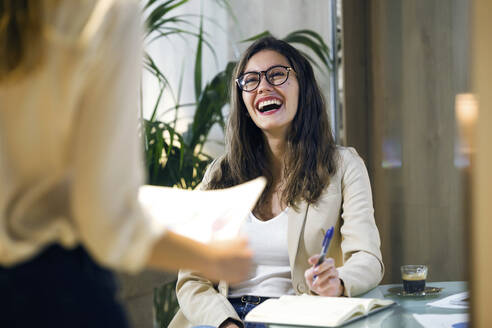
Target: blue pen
324, 248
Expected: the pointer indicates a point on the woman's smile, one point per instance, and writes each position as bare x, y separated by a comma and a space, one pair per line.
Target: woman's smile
268, 105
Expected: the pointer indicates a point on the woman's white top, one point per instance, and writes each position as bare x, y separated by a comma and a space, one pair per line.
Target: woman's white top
270, 275
70, 156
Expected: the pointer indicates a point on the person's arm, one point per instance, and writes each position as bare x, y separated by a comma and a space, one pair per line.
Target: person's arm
226, 260
106, 150
363, 266
201, 302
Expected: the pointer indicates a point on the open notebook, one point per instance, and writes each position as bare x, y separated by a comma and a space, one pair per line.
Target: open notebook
316, 311
202, 215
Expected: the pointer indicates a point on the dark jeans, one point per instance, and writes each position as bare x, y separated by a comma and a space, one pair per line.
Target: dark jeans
59, 288
244, 304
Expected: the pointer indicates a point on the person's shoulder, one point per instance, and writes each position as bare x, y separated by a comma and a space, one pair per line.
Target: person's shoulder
215, 164
348, 160
209, 172
346, 157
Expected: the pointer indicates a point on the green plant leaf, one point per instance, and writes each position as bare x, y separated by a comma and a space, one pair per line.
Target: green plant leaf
156, 105
209, 107
166, 301
151, 66
159, 11
307, 38
257, 36
308, 42
198, 62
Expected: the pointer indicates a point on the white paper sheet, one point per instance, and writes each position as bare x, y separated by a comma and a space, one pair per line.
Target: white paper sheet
202, 215
456, 301
459, 320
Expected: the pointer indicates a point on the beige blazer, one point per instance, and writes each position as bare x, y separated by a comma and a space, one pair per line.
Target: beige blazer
346, 204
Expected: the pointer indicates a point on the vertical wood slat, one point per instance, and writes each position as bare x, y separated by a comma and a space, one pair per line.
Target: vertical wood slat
355, 100
481, 231
384, 92
359, 118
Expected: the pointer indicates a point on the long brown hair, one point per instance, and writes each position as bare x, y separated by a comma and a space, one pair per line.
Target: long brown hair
310, 156
20, 35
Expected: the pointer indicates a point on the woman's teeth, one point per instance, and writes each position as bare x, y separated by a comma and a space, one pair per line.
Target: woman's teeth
268, 105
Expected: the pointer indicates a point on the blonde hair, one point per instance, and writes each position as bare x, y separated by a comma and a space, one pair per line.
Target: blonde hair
20, 36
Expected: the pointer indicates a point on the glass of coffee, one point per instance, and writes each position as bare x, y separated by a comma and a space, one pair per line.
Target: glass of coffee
413, 277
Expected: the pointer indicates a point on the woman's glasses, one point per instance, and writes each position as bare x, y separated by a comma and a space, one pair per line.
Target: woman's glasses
275, 75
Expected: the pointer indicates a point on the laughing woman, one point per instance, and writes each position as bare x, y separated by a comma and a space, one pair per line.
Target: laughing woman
278, 128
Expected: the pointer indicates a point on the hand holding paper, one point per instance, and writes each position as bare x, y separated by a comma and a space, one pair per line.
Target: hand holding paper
203, 228
202, 215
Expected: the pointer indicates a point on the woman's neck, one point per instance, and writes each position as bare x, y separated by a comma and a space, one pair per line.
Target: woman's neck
276, 148
273, 204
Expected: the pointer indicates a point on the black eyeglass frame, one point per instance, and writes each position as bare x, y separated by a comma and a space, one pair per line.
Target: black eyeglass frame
260, 73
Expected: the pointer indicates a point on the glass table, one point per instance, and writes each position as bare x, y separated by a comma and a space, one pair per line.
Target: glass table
401, 314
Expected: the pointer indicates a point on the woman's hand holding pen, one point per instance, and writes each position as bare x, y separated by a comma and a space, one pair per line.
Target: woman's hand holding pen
323, 279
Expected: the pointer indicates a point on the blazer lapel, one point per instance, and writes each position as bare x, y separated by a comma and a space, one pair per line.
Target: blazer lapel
296, 221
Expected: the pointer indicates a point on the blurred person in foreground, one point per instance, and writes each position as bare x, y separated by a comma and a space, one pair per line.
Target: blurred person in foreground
70, 168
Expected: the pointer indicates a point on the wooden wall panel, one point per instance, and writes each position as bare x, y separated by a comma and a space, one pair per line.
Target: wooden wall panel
417, 61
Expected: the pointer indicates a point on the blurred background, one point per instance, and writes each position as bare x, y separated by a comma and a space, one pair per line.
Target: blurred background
392, 72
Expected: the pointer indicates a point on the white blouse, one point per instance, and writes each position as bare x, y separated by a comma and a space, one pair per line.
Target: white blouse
270, 275
70, 157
